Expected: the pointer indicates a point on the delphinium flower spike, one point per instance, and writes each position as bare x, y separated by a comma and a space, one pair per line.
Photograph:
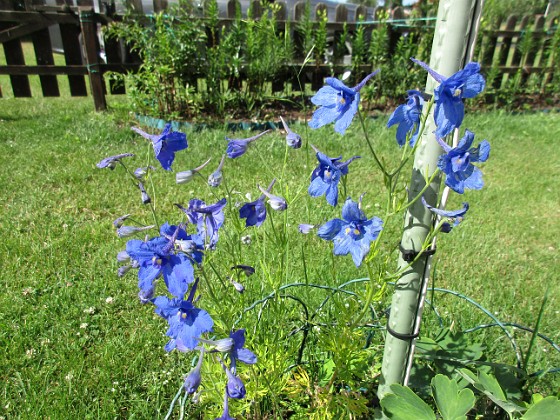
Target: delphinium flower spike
215, 178
338, 103
326, 176
353, 234
456, 216
186, 176
293, 140
407, 116
457, 163
449, 95
165, 144
238, 147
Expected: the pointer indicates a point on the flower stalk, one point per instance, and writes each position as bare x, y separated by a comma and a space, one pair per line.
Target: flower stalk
453, 27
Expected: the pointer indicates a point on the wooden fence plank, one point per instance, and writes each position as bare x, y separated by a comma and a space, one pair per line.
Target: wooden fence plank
43, 53
91, 44
73, 56
502, 49
14, 55
534, 52
548, 57
514, 53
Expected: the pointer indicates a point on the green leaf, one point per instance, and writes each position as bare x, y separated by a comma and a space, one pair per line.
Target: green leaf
490, 387
452, 404
404, 404
547, 408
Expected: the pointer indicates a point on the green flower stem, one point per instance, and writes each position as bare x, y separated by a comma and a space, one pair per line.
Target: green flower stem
453, 27
377, 161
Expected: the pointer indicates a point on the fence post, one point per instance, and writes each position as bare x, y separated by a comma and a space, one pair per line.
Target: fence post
89, 33
449, 48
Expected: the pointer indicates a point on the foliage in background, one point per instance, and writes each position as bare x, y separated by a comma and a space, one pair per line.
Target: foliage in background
229, 69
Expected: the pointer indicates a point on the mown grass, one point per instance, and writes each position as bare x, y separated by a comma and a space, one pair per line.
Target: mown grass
78, 343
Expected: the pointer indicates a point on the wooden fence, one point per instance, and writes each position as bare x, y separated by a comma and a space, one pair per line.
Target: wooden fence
521, 46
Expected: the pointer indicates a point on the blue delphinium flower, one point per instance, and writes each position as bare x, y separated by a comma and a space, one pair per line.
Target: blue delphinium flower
125, 231
194, 378
457, 163
111, 161
353, 234
144, 194
157, 257
239, 352
293, 140
238, 147
407, 116
326, 176
118, 222
165, 144
277, 203
234, 388
306, 228
140, 173
186, 322
338, 103
456, 216
186, 176
215, 178
254, 212
207, 218
449, 95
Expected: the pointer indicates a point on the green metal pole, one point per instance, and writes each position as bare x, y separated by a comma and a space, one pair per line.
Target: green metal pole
451, 39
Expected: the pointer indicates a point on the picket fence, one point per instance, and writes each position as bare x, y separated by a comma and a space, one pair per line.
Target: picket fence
524, 48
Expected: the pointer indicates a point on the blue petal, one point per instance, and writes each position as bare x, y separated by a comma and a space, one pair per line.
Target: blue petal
481, 153
178, 274
325, 96
323, 116
345, 119
351, 212
176, 141
246, 356
474, 182
397, 116
318, 187
330, 229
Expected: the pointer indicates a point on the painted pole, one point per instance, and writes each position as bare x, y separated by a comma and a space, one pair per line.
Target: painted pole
452, 39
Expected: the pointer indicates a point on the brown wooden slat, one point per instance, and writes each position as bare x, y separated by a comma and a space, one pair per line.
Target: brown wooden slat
73, 56
19, 31
46, 17
514, 54
91, 44
14, 55
502, 49
43, 70
43, 53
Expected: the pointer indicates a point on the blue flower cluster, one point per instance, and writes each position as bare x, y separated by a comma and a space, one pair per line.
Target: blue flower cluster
457, 162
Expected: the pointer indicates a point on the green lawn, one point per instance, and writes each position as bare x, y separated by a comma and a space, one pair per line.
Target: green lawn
77, 343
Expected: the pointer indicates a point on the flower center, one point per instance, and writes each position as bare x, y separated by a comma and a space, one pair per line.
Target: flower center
157, 261
457, 92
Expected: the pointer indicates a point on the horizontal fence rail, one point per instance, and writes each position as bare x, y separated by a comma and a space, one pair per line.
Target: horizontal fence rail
520, 51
